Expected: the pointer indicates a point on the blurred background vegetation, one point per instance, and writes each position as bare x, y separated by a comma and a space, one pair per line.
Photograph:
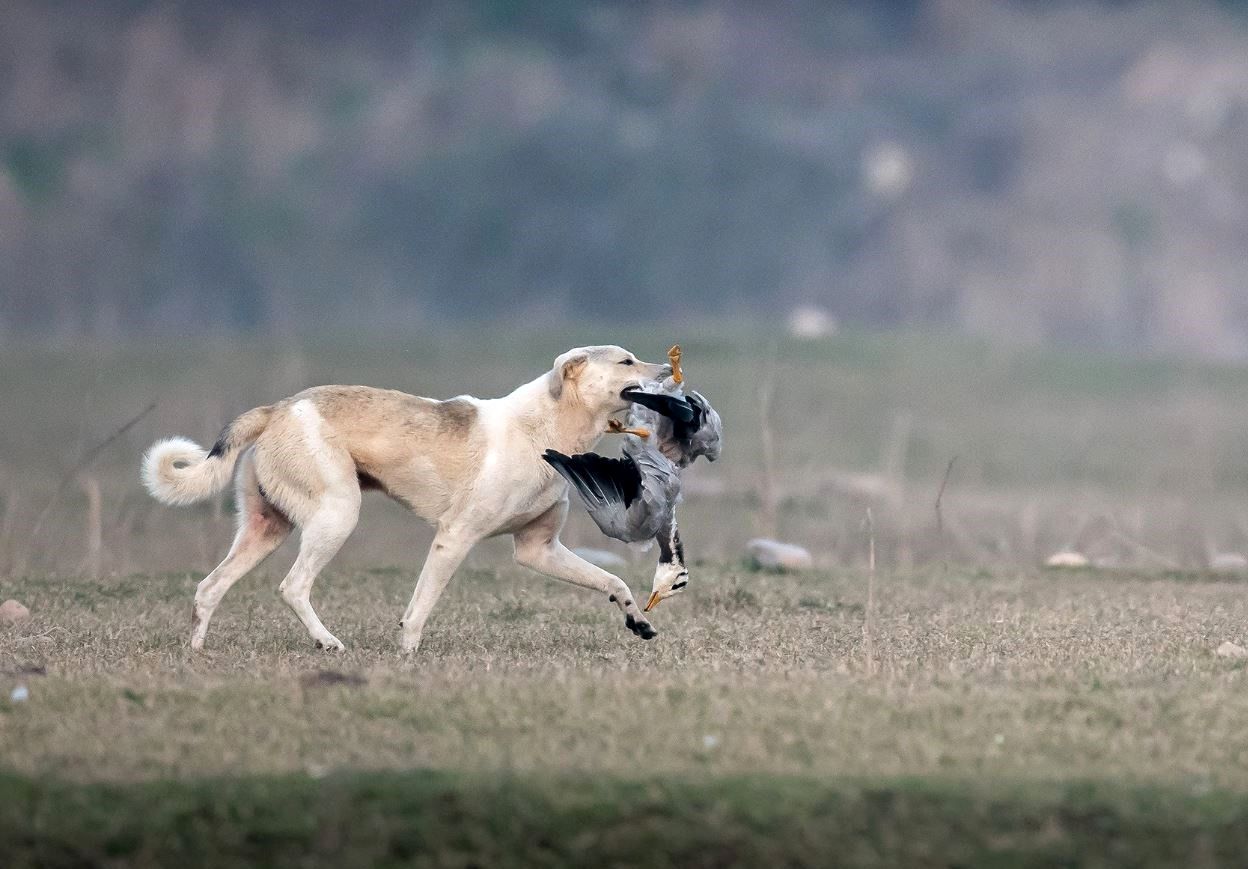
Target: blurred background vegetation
1068, 172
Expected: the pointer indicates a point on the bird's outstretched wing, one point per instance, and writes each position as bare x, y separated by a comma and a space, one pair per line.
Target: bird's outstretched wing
675, 409
599, 481
606, 486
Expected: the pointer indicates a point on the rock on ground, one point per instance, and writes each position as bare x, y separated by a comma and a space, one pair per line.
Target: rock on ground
1231, 650
1067, 558
774, 555
12, 611
811, 321
1228, 562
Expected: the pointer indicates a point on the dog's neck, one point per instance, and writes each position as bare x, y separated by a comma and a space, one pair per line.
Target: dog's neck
563, 424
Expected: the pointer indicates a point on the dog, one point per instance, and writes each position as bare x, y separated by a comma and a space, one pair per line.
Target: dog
471, 467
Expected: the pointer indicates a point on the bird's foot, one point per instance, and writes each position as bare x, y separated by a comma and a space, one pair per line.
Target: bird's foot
614, 426
673, 356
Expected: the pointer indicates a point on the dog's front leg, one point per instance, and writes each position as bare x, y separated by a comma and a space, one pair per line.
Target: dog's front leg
445, 555
538, 547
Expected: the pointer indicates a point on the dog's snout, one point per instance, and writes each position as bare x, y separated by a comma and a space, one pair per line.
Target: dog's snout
665, 369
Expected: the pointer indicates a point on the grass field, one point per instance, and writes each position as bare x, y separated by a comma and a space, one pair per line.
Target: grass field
972, 709
989, 704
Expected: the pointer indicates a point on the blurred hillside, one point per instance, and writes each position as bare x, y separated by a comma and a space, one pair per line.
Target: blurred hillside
1034, 172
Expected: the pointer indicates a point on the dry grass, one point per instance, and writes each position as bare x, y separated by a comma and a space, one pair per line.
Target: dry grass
1021, 676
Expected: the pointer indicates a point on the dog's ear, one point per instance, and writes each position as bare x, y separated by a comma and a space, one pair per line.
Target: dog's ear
567, 367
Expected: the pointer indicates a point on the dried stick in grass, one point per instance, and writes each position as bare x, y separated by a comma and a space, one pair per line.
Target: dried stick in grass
1148, 552
966, 543
940, 493
87, 458
893, 456
125, 536
868, 632
95, 526
8, 525
768, 509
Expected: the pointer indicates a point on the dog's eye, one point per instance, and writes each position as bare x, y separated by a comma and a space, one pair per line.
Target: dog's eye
679, 585
626, 362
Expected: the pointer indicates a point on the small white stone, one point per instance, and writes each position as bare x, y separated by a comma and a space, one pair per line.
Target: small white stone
1228, 562
710, 741
1231, 650
600, 557
20, 694
811, 321
774, 555
12, 611
1067, 558
888, 170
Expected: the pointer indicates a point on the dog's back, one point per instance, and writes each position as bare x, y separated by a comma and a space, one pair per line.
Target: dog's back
420, 451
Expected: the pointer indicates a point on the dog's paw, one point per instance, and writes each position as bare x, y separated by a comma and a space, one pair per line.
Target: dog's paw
640, 627
330, 643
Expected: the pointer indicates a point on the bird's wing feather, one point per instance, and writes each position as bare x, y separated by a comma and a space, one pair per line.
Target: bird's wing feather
606, 486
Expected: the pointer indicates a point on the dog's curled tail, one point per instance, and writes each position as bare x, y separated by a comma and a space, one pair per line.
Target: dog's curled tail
179, 471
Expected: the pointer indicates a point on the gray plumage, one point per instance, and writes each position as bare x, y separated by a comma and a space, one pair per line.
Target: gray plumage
632, 498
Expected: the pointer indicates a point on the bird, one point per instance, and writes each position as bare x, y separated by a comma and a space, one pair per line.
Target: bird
685, 427
633, 498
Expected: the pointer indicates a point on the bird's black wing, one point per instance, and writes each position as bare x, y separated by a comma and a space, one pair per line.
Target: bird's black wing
675, 409
599, 480
700, 407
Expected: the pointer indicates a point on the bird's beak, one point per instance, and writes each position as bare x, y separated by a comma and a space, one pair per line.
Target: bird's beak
653, 602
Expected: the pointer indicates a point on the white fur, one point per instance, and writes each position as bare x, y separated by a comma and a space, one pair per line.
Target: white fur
324, 531
176, 471
303, 459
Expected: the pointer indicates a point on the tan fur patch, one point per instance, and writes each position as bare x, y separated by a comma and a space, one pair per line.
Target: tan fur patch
417, 450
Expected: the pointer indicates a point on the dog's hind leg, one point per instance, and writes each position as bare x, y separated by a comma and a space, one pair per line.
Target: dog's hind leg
313, 477
320, 538
261, 529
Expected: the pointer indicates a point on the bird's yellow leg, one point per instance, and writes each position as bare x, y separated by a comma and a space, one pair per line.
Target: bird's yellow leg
673, 355
614, 426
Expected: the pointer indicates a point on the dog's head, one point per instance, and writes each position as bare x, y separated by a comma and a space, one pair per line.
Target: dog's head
595, 376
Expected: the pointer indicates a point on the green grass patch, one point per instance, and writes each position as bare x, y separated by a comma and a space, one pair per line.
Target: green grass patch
442, 819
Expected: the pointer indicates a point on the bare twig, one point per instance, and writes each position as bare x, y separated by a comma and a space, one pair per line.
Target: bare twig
940, 519
868, 634
1139, 547
967, 544
86, 459
9, 522
95, 526
893, 455
767, 485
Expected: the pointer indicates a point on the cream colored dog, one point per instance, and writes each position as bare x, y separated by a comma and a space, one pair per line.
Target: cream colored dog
472, 467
